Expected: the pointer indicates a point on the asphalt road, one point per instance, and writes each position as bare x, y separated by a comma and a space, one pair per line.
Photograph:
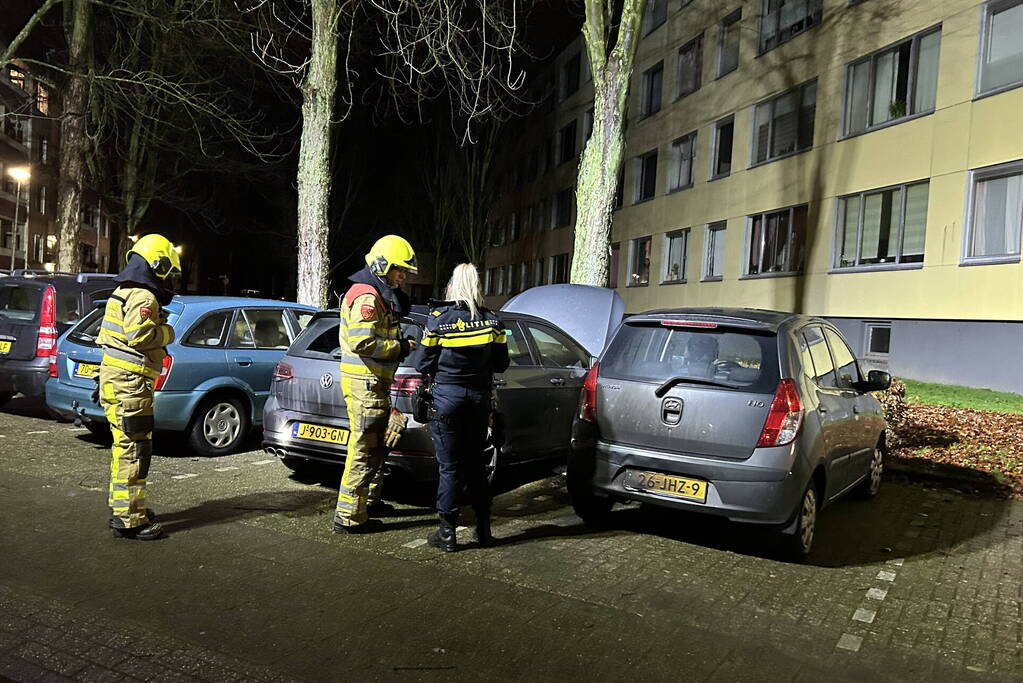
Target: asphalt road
923, 583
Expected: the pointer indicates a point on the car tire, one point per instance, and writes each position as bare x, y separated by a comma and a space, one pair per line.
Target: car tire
219, 426
871, 485
5, 396
799, 543
594, 510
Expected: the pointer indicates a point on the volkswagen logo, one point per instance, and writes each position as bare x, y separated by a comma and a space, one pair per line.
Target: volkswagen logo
671, 411
327, 380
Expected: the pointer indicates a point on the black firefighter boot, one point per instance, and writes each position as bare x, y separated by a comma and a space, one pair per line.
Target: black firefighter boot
444, 537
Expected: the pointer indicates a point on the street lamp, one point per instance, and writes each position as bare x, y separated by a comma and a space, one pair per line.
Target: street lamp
19, 174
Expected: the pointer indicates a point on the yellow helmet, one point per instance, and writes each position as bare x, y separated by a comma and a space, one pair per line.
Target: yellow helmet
159, 253
391, 250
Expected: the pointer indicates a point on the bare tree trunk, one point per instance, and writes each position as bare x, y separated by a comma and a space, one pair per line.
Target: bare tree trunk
601, 160
318, 88
73, 143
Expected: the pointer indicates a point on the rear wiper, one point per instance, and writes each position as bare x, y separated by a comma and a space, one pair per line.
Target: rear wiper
672, 381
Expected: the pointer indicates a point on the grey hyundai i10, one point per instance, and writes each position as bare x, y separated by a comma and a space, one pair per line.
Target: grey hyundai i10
758, 416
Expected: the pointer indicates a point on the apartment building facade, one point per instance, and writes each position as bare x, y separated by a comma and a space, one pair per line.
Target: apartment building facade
861, 161
29, 142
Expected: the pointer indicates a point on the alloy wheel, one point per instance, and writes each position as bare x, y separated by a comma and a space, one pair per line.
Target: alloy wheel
807, 519
221, 425
876, 470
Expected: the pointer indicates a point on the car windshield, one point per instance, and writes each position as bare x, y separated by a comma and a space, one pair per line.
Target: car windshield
86, 331
737, 359
20, 302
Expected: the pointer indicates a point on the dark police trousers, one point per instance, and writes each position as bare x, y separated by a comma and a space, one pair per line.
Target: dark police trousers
459, 430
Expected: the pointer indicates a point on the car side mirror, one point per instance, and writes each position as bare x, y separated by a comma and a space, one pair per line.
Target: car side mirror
877, 380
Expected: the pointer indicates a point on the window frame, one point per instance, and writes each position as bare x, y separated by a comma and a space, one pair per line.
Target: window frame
716, 143
634, 251
817, 19
684, 234
708, 246
641, 160
564, 155
869, 328
648, 17
698, 42
988, 10
568, 193
614, 265
976, 176
914, 60
772, 102
677, 142
733, 17
647, 106
748, 242
839, 219
567, 256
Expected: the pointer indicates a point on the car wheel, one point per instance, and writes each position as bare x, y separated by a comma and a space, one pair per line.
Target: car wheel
801, 540
871, 485
219, 426
5, 396
594, 510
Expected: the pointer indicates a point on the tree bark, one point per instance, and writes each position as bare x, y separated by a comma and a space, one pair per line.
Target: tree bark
73, 144
318, 89
601, 160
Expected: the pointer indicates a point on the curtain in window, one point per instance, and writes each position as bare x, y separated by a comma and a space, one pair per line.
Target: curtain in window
884, 86
927, 73
717, 268
1003, 61
762, 126
858, 88
915, 227
690, 65
675, 264
999, 212
785, 124
756, 237
850, 213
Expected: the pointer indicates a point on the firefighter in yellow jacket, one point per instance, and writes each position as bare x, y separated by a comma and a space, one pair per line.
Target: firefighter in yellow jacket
371, 348
134, 335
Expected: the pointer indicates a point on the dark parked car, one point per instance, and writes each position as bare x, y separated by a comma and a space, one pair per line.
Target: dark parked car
758, 416
35, 309
305, 418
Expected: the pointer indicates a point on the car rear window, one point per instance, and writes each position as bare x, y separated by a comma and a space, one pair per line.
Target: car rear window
87, 330
20, 302
735, 358
320, 339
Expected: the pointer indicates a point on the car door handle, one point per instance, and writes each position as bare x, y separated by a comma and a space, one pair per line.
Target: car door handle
244, 362
499, 382
558, 381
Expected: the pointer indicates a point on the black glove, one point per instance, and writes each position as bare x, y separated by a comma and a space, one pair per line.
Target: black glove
405, 348
95, 391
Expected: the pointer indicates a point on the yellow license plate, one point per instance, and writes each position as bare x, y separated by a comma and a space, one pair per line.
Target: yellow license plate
304, 430
691, 489
86, 370
5, 346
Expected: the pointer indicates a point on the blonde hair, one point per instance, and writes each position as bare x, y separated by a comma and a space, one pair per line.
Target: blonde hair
464, 286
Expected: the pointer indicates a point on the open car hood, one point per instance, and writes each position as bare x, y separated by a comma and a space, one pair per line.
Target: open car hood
588, 314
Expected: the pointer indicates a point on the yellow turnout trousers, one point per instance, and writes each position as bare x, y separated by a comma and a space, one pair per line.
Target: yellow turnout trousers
368, 402
127, 401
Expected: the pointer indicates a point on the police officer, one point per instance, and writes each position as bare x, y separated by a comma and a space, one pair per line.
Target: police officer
134, 335
464, 344
371, 349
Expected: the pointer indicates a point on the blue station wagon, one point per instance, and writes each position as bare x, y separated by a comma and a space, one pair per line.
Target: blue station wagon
215, 379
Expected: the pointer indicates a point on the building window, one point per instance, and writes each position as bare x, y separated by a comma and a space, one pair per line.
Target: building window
1001, 62
42, 99
16, 76
690, 67
613, 265
996, 214
539, 272
106, 227
784, 124
42, 199
728, 43
653, 79
496, 234
566, 142
879, 338
512, 233
570, 75
655, 15
883, 227
6, 233
37, 248
680, 174
646, 176
44, 150
620, 191
893, 83
543, 215
676, 249
88, 252
777, 241
639, 262
565, 201
723, 132
783, 19
513, 280
525, 275
559, 269
715, 245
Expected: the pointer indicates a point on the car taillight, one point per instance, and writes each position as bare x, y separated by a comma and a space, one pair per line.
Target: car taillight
688, 323
165, 369
588, 402
405, 385
53, 364
282, 371
784, 418
46, 342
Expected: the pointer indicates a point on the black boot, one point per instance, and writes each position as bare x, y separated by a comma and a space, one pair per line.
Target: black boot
367, 527
444, 538
484, 537
146, 532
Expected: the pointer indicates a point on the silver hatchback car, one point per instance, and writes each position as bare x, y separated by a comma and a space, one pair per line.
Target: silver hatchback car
758, 416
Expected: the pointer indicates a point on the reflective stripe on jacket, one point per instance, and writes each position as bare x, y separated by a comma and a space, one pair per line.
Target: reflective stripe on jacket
461, 349
368, 335
134, 333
